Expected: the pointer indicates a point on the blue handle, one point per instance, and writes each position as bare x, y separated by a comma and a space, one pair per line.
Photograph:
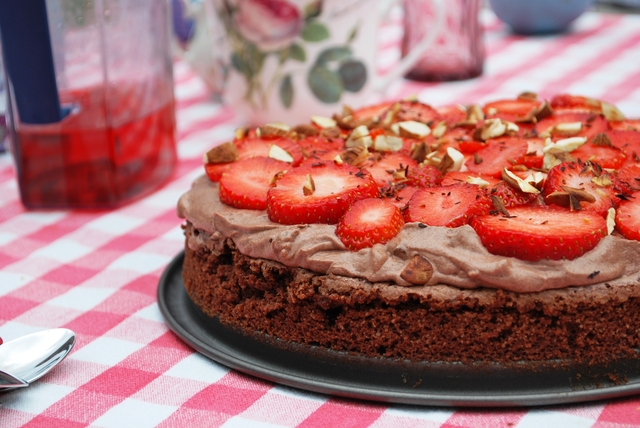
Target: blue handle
29, 60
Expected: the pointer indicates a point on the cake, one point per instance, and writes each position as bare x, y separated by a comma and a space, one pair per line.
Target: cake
501, 233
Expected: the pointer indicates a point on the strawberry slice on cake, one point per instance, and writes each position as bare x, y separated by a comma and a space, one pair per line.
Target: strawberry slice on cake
449, 206
535, 233
368, 222
318, 193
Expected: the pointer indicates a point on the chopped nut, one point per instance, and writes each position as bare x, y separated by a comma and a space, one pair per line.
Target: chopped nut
602, 139
276, 177
309, 186
432, 159
478, 182
355, 155
475, 113
338, 160
324, 122
399, 174
418, 271
567, 128
452, 161
611, 220
491, 128
334, 132
413, 129
518, 183
499, 206
305, 129
275, 129
602, 181
359, 137
570, 197
387, 143
565, 145
278, 153
420, 151
543, 111
439, 130
611, 112
512, 128
227, 152
527, 95
241, 133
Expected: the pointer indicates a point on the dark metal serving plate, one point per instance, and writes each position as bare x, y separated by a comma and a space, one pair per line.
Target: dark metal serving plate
379, 379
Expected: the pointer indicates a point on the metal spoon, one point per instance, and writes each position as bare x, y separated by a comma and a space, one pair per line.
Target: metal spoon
8, 381
30, 357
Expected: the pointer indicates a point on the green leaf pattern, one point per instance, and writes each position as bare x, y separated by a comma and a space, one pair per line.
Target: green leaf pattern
333, 72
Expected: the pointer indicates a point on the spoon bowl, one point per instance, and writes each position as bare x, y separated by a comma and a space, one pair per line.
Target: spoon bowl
30, 357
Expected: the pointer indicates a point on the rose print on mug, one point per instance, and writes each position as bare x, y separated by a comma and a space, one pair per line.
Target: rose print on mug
258, 29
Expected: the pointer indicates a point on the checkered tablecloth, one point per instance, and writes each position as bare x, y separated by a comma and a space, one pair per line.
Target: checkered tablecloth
97, 272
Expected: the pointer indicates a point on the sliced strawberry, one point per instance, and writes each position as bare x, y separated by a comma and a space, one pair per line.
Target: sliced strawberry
592, 124
292, 201
562, 103
408, 144
458, 177
534, 158
214, 170
470, 146
390, 164
511, 110
626, 125
629, 142
628, 217
605, 156
401, 196
245, 183
314, 144
424, 176
450, 206
586, 177
536, 232
452, 114
370, 113
416, 111
628, 178
251, 147
368, 222
498, 154
320, 148
510, 196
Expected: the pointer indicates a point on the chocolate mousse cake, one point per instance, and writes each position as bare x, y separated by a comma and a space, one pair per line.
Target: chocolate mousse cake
501, 233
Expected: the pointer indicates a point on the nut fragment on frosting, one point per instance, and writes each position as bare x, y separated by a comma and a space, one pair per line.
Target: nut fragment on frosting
418, 271
227, 152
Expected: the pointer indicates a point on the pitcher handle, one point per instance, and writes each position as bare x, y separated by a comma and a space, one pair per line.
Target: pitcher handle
406, 63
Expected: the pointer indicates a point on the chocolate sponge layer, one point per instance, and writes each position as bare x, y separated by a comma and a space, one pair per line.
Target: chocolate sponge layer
592, 324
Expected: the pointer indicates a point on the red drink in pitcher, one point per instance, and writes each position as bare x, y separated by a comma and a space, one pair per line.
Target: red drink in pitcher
108, 151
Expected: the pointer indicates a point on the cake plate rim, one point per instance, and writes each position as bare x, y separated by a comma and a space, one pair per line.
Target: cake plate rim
377, 379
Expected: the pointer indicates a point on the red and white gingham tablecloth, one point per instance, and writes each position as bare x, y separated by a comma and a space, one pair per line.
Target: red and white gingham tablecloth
97, 272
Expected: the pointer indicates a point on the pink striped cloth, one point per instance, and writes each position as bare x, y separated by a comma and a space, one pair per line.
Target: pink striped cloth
97, 272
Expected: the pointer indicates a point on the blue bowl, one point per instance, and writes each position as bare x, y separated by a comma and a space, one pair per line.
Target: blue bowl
539, 16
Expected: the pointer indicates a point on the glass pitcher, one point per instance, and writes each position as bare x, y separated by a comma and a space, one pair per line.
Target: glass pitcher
90, 82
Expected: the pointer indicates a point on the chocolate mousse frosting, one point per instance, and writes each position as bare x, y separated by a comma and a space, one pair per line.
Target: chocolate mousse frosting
418, 255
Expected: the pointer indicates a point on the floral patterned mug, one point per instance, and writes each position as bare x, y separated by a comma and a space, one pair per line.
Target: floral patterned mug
289, 59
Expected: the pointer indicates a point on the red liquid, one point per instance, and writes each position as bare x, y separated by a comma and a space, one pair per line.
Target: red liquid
73, 164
